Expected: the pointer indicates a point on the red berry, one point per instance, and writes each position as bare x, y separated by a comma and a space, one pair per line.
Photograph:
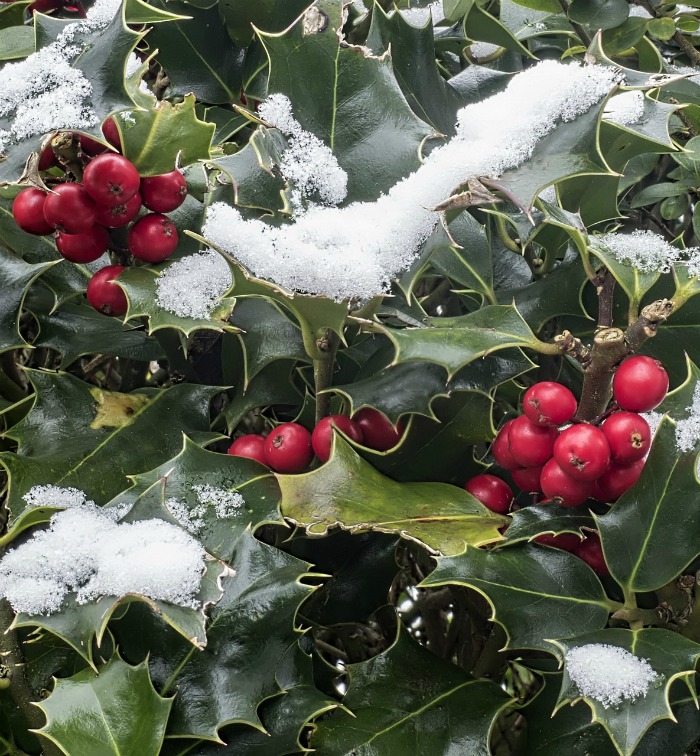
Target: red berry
164, 193
640, 384
492, 492
616, 480
105, 295
47, 159
83, 248
528, 479
111, 179
288, 448
565, 490
549, 403
531, 445
582, 451
111, 132
251, 446
153, 238
591, 551
70, 208
28, 212
629, 436
563, 541
377, 431
501, 449
44, 6
323, 434
119, 215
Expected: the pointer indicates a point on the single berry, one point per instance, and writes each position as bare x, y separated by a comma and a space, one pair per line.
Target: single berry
501, 449
111, 132
288, 448
44, 6
492, 492
591, 552
322, 436
527, 479
616, 480
531, 445
549, 403
562, 488
70, 208
153, 238
164, 193
119, 215
629, 437
28, 212
104, 294
563, 541
377, 431
252, 446
47, 159
83, 248
640, 384
111, 179
582, 451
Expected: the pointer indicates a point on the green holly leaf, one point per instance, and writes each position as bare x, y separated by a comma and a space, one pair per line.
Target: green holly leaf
348, 492
194, 466
482, 26
348, 98
529, 522
242, 18
79, 435
76, 329
407, 700
671, 656
154, 139
537, 594
599, 14
16, 42
661, 508
249, 631
114, 711
267, 334
454, 342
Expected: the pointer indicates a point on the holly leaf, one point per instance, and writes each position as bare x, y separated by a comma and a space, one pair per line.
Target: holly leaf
535, 593
671, 656
114, 711
529, 522
250, 630
454, 342
407, 700
662, 508
242, 19
178, 479
348, 492
348, 98
155, 139
80, 435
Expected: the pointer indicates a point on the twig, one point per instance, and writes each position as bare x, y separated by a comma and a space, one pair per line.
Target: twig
582, 33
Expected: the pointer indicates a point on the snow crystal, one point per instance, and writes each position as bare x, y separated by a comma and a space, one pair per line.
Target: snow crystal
636, 11
85, 551
190, 519
191, 286
307, 162
133, 63
355, 251
549, 194
56, 496
421, 16
44, 92
688, 429
625, 108
226, 504
609, 674
483, 49
644, 250
653, 421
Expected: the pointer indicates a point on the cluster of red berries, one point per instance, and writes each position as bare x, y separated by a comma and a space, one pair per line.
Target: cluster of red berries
290, 448
584, 460
110, 196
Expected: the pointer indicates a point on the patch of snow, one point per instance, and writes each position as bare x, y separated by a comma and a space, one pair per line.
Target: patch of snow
636, 11
56, 496
353, 252
625, 108
609, 674
688, 429
226, 504
646, 251
191, 286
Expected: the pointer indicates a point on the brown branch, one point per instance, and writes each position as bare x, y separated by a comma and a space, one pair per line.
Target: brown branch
605, 301
608, 349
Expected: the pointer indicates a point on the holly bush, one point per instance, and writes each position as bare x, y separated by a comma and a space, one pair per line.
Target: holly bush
406, 213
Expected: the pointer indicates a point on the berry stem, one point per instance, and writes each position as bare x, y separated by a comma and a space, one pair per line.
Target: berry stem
608, 349
324, 361
67, 149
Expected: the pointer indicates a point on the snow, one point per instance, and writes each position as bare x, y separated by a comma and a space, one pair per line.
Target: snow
353, 252
56, 496
625, 108
609, 674
636, 11
191, 286
483, 49
226, 504
307, 163
44, 92
688, 429
647, 251
84, 551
